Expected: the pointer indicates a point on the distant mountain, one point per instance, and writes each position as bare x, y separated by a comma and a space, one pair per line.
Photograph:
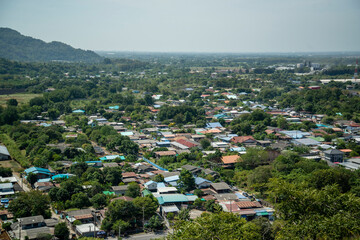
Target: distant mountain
15, 46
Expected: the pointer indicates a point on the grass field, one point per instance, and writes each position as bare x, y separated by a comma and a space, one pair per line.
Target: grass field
15, 166
79, 104
20, 97
14, 150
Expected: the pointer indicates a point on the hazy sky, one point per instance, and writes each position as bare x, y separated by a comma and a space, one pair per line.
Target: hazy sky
189, 25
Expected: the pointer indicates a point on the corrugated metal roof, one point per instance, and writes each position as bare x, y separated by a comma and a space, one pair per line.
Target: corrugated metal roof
3, 150
172, 198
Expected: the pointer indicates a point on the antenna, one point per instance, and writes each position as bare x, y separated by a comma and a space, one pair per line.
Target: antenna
356, 69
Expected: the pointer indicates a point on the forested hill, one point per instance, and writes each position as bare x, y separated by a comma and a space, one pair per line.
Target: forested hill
14, 46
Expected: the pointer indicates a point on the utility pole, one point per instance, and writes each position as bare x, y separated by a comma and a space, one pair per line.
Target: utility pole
94, 224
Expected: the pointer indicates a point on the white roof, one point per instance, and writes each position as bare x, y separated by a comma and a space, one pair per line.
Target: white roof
85, 228
3, 150
167, 189
8, 179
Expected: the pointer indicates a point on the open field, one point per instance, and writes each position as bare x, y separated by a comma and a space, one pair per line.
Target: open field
15, 166
14, 150
20, 97
79, 103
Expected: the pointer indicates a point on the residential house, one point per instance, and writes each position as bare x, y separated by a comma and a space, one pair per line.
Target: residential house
151, 185
229, 161
6, 189
334, 155
194, 170
165, 153
172, 180
245, 140
39, 172
4, 153
120, 190
30, 227
83, 215
86, 230
202, 182
221, 187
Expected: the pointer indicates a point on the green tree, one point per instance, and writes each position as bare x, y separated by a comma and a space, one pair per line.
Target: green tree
205, 143
155, 223
133, 190
216, 226
80, 200
159, 178
61, 231
12, 102
30, 204
145, 205
31, 178
99, 200
186, 181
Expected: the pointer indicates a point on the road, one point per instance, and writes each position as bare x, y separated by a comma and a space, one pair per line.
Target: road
22, 184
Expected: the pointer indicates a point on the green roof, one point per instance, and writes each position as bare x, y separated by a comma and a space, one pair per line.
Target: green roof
262, 213
108, 193
146, 192
172, 198
319, 139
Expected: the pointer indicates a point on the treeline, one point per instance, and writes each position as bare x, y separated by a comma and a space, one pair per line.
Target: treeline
181, 114
326, 100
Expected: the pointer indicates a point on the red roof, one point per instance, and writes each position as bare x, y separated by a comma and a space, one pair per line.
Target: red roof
128, 174
186, 143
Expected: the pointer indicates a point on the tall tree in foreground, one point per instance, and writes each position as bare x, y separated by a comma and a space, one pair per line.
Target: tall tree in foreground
216, 226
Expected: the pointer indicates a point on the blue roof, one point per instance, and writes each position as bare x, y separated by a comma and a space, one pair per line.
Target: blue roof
161, 184
163, 143
221, 115
240, 196
111, 157
232, 135
295, 134
45, 124
213, 125
225, 139
79, 111
200, 180
127, 133
238, 149
5, 200
37, 170
62, 176
148, 183
171, 179
93, 162
114, 107
44, 180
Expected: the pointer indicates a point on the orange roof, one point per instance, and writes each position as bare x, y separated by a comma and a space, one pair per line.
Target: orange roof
345, 150
242, 139
248, 204
337, 129
166, 153
213, 130
230, 159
